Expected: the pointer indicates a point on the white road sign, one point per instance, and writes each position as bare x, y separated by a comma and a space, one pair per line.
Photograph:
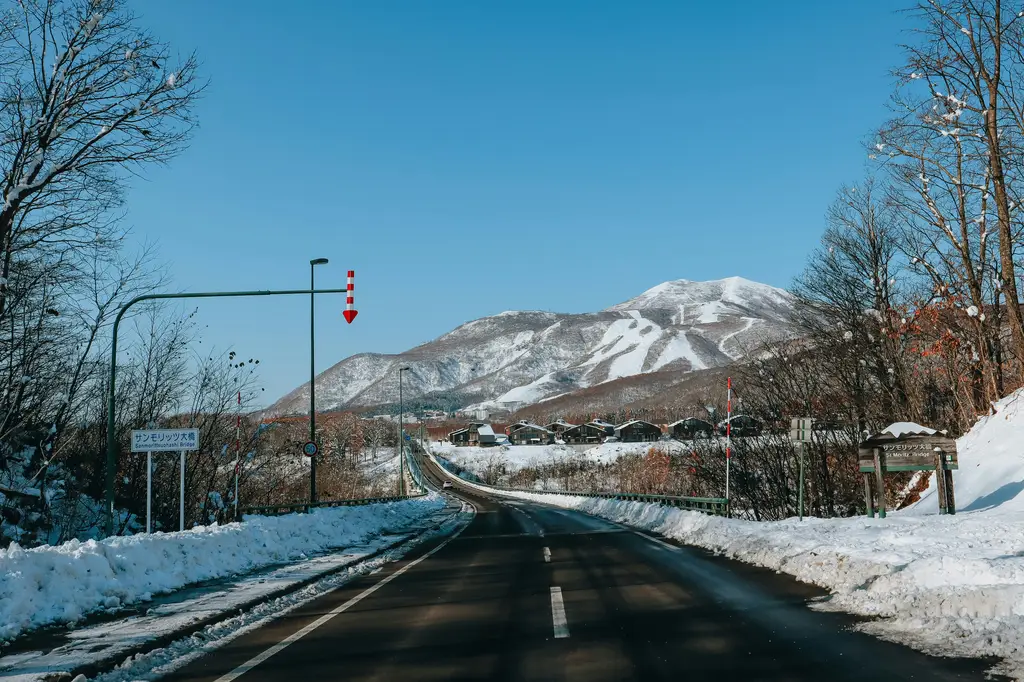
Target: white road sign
800, 430
165, 440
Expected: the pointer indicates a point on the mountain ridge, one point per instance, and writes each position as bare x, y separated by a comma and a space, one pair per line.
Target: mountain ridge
517, 358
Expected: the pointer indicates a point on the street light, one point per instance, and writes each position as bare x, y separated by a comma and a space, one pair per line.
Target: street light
312, 379
401, 434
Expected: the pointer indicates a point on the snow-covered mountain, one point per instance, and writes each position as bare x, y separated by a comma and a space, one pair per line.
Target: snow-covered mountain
519, 358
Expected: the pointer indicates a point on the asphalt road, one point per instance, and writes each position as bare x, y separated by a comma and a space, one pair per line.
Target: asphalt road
528, 592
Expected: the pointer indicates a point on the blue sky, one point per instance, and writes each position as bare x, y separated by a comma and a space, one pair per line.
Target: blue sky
470, 157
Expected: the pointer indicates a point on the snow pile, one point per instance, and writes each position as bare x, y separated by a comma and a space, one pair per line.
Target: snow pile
908, 429
61, 584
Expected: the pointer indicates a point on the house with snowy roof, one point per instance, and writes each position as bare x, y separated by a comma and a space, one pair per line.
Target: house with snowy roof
476, 433
690, 428
638, 431
526, 433
558, 426
742, 425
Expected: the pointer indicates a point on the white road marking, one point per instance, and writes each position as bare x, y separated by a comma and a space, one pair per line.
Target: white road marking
296, 636
547, 555
558, 614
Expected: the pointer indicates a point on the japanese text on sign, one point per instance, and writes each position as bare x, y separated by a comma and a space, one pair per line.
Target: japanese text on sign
165, 440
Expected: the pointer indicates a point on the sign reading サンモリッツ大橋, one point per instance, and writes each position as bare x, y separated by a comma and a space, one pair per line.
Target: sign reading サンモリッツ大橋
906, 446
165, 440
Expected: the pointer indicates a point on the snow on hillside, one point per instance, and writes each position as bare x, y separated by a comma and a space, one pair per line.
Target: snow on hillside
948, 585
519, 358
63, 583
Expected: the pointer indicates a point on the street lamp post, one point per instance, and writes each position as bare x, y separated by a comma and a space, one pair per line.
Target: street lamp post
401, 434
312, 377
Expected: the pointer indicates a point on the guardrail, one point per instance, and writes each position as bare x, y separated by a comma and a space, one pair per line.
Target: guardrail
279, 509
719, 506
414, 466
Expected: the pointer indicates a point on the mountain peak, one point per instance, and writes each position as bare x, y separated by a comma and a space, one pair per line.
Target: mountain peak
683, 295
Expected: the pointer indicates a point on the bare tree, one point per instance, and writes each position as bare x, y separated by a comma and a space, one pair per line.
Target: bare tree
970, 60
85, 95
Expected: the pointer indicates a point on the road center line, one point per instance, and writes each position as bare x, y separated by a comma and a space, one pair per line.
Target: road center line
547, 555
296, 636
558, 613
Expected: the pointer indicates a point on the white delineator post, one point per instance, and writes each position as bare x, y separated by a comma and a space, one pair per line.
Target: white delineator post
728, 434
149, 492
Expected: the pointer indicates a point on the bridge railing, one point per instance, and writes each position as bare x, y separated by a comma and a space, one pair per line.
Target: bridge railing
279, 509
414, 466
718, 506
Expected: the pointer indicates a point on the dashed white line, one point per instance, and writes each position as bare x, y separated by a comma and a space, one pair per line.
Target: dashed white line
547, 555
558, 614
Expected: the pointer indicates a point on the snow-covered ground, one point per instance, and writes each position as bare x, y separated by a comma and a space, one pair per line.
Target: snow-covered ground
949, 585
513, 458
61, 584
608, 453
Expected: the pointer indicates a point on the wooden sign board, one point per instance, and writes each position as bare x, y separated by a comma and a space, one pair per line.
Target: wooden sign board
885, 452
916, 453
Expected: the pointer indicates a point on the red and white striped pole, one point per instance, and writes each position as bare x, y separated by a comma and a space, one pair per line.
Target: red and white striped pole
728, 436
350, 302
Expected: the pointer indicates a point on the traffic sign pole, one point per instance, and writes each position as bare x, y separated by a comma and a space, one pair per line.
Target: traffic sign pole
149, 492
801, 432
801, 504
181, 495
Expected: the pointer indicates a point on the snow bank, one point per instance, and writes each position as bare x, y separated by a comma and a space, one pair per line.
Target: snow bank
991, 460
61, 584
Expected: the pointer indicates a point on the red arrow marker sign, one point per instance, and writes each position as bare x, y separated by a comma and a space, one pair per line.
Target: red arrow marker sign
350, 307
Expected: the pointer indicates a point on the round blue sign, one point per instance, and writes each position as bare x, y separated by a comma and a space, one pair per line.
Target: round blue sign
309, 449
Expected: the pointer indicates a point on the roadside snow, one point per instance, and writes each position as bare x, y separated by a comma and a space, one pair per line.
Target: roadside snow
991, 461
124, 640
61, 584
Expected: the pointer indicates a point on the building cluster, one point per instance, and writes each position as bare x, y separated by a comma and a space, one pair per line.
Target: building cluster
595, 432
